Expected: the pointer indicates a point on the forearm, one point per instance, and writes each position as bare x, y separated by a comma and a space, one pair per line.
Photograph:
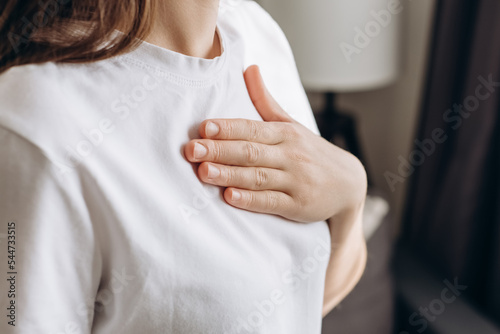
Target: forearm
347, 260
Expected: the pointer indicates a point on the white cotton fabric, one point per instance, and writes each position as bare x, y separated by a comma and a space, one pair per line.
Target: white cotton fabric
114, 231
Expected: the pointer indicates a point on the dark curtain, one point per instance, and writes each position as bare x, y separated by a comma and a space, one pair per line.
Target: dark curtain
452, 217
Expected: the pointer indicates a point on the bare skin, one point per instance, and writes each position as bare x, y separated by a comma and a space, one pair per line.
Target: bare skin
278, 166
187, 27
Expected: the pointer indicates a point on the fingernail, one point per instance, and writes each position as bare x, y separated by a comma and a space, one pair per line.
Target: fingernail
199, 151
235, 195
213, 172
211, 129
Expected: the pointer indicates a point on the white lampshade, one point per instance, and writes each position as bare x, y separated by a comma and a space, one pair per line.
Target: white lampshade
342, 45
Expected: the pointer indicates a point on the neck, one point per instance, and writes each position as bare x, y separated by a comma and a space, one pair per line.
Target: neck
187, 27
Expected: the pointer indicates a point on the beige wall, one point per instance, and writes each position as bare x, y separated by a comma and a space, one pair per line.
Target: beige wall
388, 116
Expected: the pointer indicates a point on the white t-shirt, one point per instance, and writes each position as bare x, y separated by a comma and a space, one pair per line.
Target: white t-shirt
110, 229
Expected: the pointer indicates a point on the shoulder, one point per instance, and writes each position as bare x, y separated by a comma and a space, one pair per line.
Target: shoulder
31, 96
44, 89
27, 84
256, 25
267, 46
46, 104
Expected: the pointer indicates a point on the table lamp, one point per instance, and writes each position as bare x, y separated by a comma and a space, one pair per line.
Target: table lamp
341, 46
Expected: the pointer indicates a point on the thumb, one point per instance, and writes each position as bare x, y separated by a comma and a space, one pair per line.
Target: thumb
265, 104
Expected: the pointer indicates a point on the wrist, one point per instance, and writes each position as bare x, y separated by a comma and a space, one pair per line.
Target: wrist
354, 189
346, 227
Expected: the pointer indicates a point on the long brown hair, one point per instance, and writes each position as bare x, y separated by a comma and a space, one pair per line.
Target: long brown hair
36, 31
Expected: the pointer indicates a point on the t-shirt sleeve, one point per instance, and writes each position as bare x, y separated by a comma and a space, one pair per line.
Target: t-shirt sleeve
268, 47
49, 254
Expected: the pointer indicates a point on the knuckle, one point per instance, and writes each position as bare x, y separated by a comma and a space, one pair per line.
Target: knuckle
298, 156
267, 133
252, 152
216, 150
229, 129
273, 201
301, 200
283, 130
251, 199
296, 127
261, 178
291, 131
253, 130
228, 175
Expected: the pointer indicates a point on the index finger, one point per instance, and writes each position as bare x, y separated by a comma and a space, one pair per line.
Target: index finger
244, 129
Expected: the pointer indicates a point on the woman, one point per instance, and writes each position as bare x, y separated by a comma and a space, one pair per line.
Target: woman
151, 185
